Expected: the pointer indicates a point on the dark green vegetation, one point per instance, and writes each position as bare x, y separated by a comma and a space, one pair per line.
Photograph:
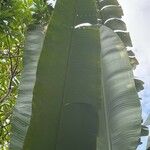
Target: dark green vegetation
17, 18
77, 88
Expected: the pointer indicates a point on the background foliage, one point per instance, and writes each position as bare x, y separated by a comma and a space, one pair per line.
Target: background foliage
16, 17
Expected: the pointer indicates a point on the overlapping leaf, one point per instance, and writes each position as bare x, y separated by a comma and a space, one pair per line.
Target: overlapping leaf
23, 108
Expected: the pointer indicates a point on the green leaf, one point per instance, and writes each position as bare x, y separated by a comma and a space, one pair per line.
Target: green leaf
121, 106
125, 37
116, 24
63, 68
23, 108
130, 53
144, 131
134, 62
102, 3
111, 11
139, 85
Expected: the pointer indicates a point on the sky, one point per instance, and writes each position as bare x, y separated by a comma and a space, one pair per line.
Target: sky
137, 19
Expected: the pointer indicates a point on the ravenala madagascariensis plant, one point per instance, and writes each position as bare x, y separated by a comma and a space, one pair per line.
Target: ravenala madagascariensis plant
79, 92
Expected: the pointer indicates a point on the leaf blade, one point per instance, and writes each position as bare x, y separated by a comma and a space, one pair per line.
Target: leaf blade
123, 101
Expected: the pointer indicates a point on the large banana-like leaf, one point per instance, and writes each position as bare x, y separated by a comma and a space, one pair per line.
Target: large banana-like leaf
120, 105
23, 109
84, 96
